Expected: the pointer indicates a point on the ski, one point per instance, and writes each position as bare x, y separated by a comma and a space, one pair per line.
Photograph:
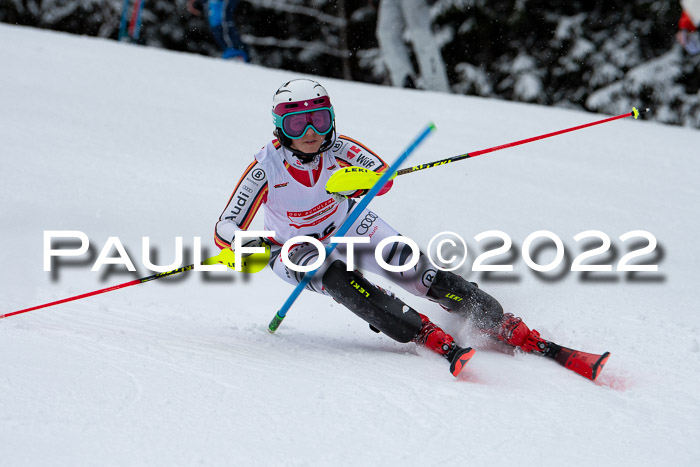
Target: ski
459, 359
588, 365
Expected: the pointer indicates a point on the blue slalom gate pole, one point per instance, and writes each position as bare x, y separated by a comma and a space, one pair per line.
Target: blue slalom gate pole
342, 230
124, 20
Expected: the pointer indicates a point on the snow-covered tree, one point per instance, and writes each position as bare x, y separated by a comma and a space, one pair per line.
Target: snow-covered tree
601, 55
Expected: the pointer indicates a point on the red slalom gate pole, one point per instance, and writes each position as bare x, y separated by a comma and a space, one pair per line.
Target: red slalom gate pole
634, 113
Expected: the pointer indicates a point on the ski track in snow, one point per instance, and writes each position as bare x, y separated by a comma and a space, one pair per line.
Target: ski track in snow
113, 139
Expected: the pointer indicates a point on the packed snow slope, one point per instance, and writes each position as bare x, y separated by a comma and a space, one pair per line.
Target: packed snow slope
121, 141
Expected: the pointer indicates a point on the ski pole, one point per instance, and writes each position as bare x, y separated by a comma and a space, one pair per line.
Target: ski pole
253, 263
364, 179
101, 291
354, 214
634, 113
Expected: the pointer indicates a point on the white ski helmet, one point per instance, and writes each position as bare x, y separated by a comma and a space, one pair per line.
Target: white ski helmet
298, 105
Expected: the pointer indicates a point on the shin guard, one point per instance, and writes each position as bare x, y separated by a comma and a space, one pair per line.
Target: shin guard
458, 295
382, 311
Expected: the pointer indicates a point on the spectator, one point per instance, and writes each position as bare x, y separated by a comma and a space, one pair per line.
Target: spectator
688, 35
220, 14
413, 16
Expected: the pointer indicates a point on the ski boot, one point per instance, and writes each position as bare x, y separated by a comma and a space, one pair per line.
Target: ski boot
437, 340
514, 332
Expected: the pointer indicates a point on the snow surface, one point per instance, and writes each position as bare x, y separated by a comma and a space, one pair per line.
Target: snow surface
117, 140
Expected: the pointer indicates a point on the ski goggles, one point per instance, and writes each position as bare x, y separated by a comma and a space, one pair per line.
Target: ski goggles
294, 125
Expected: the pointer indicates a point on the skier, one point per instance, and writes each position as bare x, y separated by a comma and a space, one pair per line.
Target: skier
394, 17
220, 14
288, 178
688, 35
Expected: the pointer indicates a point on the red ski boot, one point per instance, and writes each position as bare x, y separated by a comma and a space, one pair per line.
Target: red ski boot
436, 339
514, 332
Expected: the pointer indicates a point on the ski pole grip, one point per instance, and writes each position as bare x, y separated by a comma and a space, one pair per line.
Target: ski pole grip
275, 323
